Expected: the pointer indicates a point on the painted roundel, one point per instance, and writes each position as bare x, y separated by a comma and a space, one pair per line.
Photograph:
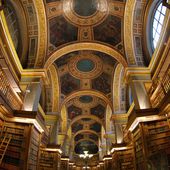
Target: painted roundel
86, 99
85, 12
85, 66
85, 7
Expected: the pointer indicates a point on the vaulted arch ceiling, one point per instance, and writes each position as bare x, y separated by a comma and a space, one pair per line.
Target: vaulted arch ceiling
85, 43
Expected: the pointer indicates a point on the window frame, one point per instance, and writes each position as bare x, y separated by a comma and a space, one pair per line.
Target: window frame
147, 42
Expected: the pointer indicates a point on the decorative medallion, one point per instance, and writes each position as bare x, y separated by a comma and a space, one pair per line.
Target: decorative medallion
86, 99
86, 102
89, 146
85, 66
85, 12
85, 8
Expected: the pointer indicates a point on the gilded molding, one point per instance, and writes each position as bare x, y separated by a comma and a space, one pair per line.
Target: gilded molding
85, 46
13, 59
97, 18
85, 131
128, 31
86, 92
55, 88
116, 8
54, 9
87, 116
42, 31
116, 86
87, 139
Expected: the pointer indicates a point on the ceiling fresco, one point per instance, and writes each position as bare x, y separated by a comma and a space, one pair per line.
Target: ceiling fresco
89, 146
95, 21
86, 70
65, 59
73, 112
109, 31
102, 83
69, 84
86, 135
81, 20
85, 7
96, 127
76, 127
86, 99
98, 111
93, 137
78, 137
61, 32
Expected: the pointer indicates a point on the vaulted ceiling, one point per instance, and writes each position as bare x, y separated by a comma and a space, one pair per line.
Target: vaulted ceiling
87, 71
84, 55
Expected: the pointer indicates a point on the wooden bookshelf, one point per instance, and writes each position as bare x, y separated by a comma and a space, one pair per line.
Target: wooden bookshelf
158, 136
23, 150
15, 155
123, 159
139, 148
33, 156
49, 160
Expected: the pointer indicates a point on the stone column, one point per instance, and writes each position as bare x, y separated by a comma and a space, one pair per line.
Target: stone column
140, 95
32, 96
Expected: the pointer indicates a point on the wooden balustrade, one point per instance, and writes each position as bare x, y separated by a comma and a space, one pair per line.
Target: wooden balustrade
159, 90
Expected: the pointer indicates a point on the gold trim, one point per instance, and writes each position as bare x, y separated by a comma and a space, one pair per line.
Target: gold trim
85, 46
87, 116
84, 131
42, 33
128, 31
86, 92
55, 88
86, 139
13, 59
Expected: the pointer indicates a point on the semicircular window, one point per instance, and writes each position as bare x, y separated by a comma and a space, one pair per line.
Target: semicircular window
12, 22
89, 146
158, 20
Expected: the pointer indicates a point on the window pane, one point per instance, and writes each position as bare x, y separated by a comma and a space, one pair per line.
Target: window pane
163, 10
157, 15
157, 24
161, 19
160, 7
159, 28
154, 31
156, 37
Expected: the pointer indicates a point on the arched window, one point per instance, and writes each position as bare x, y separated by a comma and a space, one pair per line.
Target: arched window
158, 19
12, 22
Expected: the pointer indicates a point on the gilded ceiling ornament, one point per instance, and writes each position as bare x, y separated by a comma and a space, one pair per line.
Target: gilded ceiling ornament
85, 66
93, 15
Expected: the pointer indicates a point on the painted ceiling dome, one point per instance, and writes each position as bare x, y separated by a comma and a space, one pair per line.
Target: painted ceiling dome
85, 7
86, 99
85, 65
89, 146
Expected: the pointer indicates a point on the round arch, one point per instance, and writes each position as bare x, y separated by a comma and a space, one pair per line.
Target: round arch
86, 46
86, 92
87, 116
85, 131
55, 88
87, 139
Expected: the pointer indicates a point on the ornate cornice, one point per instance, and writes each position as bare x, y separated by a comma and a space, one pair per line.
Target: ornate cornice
86, 46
